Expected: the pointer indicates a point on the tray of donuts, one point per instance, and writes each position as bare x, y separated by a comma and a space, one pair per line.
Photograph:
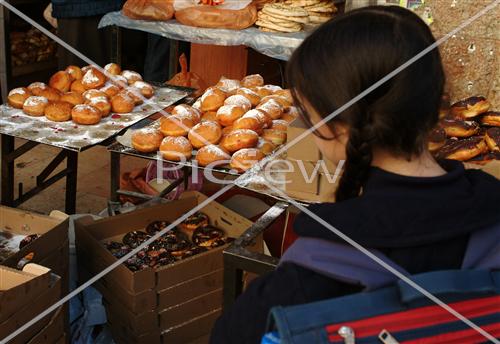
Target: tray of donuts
468, 131
80, 107
229, 128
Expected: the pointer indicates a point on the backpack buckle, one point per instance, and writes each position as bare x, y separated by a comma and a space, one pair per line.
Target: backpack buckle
386, 338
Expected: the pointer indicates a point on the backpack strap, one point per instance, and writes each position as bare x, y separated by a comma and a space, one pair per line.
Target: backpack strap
483, 249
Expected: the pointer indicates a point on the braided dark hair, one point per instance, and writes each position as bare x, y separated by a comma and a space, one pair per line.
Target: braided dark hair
348, 54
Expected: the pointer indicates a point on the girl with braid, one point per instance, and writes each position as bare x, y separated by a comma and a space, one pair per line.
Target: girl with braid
393, 197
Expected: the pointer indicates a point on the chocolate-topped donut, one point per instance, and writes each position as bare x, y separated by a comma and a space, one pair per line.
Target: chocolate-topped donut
492, 138
470, 107
491, 118
175, 242
28, 240
209, 236
194, 221
194, 251
463, 150
459, 128
437, 139
483, 159
156, 226
135, 238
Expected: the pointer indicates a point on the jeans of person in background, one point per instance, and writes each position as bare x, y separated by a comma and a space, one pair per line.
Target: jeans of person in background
157, 59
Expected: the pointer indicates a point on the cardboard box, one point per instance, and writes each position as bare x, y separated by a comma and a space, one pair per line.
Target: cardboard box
52, 332
191, 330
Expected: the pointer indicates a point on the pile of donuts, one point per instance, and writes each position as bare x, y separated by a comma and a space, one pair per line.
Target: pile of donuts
236, 121
194, 235
467, 131
83, 95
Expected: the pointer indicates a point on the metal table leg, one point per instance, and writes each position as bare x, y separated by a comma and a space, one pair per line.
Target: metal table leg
71, 181
7, 192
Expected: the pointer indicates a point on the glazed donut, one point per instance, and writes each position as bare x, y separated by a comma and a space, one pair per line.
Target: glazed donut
146, 140
51, 94
75, 73
60, 81
491, 118
134, 94
279, 124
110, 90
209, 116
58, 111
212, 99
245, 158
176, 125
240, 101
260, 115
265, 146
227, 114
458, 128
36, 87
290, 114
253, 97
248, 122
193, 222
272, 108
17, 97
77, 86
463, 150
100, 103
146, 89
113, 69
87, 95
279, 99
254, 80
85, 114
73, 98
470, 107
229, 86
437, 139
277, 137
131, 76
122, 103
35, 105
208, 236
287, 94
176, 148
238, 139
212, 155
93, 78
205, 133
492, 139
184, 110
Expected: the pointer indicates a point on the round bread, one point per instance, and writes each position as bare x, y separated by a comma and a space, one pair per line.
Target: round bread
146, 140
75, 73
60, 81
87, 67
113, 69
262, 116
227, 130
100, 103
239, 139
176, 125
73, 98
240, 101
272, 108
77, 86
85, 114
437, 139
58, 111
212, 99
36, 88
18, 96
146, 89
120, 81
110, 90
279, 124
176, 148
227, 114
209, 116
459, 128
470, 107
245, 158
249, 122
261, 91
35, 105
463, 150
492, 139
279, 99
265, 146
89, 94
253, 97
184, 110
273, 89
290, 114
254, 80
122, 103
51, 94
277, 137
212, 155
491, 118
229, 86
205, 133
131, 76
135, 94
287, 94
93, 78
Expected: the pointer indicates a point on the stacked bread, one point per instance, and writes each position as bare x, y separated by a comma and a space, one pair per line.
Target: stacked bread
84, 95
319, 11
281, 17
236, 122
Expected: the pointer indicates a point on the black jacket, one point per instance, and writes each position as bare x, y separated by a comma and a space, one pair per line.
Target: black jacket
422, 224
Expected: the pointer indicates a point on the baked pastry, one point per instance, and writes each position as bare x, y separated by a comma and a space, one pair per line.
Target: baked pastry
147, 140
120, 81
470, 107
483, 159
209, 236
93, 78
113, 69
77, 86
272, 108
51, 94
212, 155
278, 137
238, 139
279, 124
36, 88
146, 89
176, 148
254, 80
131, 76
87, 67
227, 114
89, 94
209, 116
18, 96
253, 97
110, 90
193, 222
229, 86
459, 128
135, 94
491, 118
35, 105
212, 99
58, 111
248, 122
100, 103
122, 103
437, 139
262, 116
185, 110
73, 98
287, 94
492, 138
265, 146
240, 101
290, 114
279, 99
85, 114
205, 133
75, 73
463, 150
273, 89
60, 81
176, 125
245, 158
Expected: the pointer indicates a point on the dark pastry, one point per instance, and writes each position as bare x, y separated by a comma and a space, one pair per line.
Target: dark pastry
28, 240
117, 249
483, 159
463, 150
437, 139
492, 138
209, 236
491, 118
194, 251
459, 128
470, 107
175, 242
135, 238
194, 221
156, 226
